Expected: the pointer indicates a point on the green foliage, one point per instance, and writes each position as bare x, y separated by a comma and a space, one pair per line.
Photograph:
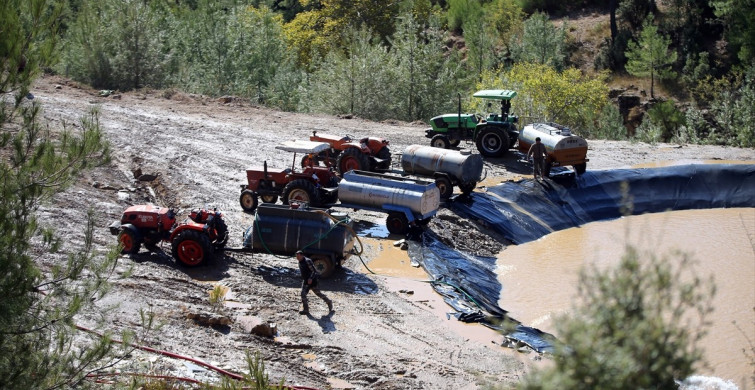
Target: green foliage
355, 82
650, 55
313, 33
462, 11
608, 125
540, 42
126, 53
739, 17
667, 118
734, 112
636, 327
544, 94
426, 76
635, 12
412, 80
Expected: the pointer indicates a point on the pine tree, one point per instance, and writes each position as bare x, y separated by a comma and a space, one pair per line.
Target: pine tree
650, 55
42, 291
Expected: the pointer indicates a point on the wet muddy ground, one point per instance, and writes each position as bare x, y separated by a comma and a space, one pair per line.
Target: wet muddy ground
380, 336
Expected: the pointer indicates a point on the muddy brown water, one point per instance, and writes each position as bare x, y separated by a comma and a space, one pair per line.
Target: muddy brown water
539, 278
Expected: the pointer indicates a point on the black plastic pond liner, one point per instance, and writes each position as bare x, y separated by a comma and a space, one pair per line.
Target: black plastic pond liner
470, 286
527, 210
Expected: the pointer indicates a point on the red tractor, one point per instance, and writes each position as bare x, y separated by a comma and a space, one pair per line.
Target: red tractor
347, 153
193, 241
312, 184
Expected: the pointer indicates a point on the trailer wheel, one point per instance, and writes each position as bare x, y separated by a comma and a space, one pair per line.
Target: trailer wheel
492, 142
467, 187
248, 200
440, 141
444, 186
397, 223
301, 190
130, 241
352, 159
191, 248
580, 168
324, 265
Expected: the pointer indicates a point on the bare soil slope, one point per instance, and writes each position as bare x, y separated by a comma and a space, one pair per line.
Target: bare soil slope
386, 333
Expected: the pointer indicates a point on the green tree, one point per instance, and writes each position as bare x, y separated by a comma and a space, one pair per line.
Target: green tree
567, 97
650, 55
358, 81
43, 288
540, 42
637, 326
739, 19
427, 76
126, 53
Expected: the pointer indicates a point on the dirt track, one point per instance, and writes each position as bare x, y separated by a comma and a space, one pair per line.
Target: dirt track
386, 333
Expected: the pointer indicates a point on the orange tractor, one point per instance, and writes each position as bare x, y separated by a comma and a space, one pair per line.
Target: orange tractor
347, 153
193, 241
312, 184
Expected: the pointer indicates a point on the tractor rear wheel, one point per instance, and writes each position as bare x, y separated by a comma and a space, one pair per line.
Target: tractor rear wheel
352, 159
397, 223
440, 141
324, 265
248, 200
191, 248
385, 155
492, 142
580, 168
301, 190
130, 241
444, 186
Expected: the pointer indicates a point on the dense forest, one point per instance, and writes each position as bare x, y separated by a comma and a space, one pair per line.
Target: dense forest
408, 59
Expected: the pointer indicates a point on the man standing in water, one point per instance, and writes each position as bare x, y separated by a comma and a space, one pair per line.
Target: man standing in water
538, 153
309, 278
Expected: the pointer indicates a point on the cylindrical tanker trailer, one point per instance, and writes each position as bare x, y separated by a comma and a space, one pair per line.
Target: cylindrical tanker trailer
282, 230
407, 201
448, 167
564, 148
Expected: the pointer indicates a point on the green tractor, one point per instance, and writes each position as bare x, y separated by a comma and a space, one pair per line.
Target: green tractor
493, 135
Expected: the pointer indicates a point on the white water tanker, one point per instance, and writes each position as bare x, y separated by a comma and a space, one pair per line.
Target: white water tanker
564, 148
407, 201
448, 167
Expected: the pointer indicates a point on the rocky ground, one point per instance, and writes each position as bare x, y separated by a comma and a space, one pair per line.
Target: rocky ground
386, 332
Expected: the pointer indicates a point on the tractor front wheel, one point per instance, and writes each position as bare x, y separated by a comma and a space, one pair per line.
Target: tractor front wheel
352, 159
324, 265
580, 168
248, 200
130, 241
445, 187
301, 190
397, 223
191, 248
440, 141
454, 142
492, 142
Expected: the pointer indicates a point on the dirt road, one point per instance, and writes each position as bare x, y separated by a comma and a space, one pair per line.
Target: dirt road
386, 332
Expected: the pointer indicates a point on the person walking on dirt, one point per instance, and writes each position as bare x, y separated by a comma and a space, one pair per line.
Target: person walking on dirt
538, 153
309, 276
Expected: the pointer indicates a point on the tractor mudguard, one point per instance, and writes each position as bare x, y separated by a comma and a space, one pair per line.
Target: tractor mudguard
190, 225
115, 228
125, 226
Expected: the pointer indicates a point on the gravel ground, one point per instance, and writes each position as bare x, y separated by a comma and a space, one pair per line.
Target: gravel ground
385, 333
